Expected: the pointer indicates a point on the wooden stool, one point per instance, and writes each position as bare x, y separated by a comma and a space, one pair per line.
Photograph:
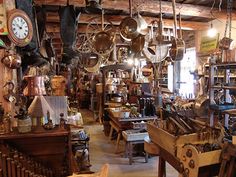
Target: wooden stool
118, 130
132, 137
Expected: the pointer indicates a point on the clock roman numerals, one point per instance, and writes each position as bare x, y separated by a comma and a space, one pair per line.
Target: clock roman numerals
19, 27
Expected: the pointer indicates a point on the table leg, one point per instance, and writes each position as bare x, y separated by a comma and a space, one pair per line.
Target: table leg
126, 149
161, 167
118, 141
146, 157
130, 153
110, 133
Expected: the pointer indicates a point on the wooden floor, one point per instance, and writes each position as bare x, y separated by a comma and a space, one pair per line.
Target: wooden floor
102, 151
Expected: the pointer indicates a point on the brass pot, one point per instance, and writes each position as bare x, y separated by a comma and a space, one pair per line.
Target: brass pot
128, 28
131, 27
58, 84
103, 41
35, 86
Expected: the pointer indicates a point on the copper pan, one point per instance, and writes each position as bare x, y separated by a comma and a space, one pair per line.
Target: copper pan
103, 41
131, 27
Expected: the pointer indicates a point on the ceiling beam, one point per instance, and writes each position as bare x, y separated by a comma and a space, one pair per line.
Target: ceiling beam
116, 19
150, 6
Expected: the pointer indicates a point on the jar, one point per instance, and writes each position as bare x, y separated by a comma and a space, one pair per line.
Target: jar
58, 85
24, 125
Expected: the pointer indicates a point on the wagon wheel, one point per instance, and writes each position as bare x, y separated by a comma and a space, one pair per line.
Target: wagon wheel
95, 32
82, 44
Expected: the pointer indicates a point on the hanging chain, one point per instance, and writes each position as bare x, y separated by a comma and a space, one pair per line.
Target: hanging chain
229, 18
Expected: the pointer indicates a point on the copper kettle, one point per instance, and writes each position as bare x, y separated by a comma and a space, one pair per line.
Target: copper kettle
35, 86
12, 61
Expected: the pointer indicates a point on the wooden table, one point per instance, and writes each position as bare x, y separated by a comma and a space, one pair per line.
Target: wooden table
121, 124
132, 137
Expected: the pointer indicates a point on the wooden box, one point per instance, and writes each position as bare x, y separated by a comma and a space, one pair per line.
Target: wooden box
170, 142
132, 135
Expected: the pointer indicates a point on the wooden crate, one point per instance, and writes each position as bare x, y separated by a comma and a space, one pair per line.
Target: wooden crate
170, 142
198, 159
179, 146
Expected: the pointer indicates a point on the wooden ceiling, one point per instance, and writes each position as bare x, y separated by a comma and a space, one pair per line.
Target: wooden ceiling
196, 14
191, 10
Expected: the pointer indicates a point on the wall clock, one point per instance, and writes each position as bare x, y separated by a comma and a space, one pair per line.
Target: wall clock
20, 29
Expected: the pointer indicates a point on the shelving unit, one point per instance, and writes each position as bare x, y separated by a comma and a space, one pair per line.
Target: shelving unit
112, 68
163, 79
227, 84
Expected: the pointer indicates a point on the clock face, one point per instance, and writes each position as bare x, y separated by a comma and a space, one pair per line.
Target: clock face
20, 27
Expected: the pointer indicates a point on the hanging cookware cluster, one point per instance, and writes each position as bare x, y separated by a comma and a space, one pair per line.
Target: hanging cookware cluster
156, 48
134, 29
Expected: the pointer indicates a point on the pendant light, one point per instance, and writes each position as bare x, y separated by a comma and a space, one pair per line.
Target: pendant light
211, 31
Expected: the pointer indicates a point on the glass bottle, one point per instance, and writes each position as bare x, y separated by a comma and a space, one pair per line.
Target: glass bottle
147, 107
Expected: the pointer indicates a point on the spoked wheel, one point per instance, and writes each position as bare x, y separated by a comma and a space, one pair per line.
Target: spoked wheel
83, 44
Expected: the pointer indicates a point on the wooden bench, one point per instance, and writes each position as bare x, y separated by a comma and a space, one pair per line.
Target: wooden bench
132, 137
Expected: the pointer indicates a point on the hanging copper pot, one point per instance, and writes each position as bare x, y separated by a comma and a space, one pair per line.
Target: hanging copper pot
12, 61
128, 28
131, 27
35, 86
103, 41
90, 61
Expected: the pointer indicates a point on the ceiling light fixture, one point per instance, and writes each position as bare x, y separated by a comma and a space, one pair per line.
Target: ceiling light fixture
211, 31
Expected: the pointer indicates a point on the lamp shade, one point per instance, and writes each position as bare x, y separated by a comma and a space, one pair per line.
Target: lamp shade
39, 107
